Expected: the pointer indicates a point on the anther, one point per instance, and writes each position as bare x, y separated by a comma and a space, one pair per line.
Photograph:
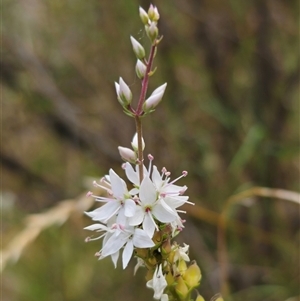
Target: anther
150, 157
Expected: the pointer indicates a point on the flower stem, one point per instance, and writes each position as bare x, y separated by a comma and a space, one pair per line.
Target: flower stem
138, 125
145, 82
139, 111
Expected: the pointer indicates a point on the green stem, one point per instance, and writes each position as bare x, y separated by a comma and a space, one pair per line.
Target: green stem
138, 125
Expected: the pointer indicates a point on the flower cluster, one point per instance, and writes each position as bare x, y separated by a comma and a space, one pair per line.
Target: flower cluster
130, 218
143, 219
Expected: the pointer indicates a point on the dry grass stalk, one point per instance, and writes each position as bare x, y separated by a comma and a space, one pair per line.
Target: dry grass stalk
286, 195
36, 223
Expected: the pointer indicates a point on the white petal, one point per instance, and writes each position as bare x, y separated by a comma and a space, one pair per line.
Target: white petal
142, 240
118, 185
138, 216
176, 201
160, 89
131, 174
113, 245
117, 86
148, 193
173, 188
130, 207
114, 258
164, 297
149, 225
121, 218
159, 283
127, 253
124, 89
134, 191
106, 211
156, 177
95, 227
164, 215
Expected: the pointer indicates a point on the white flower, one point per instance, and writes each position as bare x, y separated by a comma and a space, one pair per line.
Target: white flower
119, 204
181, 252
158, 283
151, 206
128, 238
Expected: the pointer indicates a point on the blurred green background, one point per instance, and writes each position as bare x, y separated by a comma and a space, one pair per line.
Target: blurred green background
230, 117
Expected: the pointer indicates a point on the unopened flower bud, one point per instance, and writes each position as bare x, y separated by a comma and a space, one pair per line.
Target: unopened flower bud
138, 49
123, 92
152, 31
170, 278
217, 297
166, 248
199, 298
153, 13
182, 267
192, 276
140, 69
155, 98
127, 154
144, 16
134, 143
181, 288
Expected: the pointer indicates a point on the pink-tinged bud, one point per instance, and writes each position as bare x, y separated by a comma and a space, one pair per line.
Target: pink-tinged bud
138, 49
134, 142
155, 98
140, 69
123, 93
127, 154
144, 16
152, 31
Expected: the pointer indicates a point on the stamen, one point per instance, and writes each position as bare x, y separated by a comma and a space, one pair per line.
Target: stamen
89, 194
183, 175
151, 158
151, 217
88, 239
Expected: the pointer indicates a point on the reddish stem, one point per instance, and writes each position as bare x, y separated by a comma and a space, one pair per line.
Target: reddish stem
139, 111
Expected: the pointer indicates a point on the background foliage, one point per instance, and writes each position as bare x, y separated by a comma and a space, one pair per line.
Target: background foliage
230, 116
